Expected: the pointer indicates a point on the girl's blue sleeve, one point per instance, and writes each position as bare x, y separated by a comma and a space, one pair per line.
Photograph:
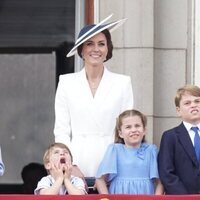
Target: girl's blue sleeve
108, 165
153, 162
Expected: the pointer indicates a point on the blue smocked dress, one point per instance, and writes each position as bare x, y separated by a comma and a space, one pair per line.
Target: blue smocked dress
130, 170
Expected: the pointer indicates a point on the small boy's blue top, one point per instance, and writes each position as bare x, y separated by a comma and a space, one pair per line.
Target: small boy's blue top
130, 170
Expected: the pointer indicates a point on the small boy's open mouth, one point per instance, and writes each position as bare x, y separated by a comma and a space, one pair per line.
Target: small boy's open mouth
62, 160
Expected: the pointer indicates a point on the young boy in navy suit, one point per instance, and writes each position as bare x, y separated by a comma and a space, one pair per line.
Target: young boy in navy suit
178, 164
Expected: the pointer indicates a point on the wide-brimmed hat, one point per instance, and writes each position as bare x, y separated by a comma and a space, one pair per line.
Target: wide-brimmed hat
91, 30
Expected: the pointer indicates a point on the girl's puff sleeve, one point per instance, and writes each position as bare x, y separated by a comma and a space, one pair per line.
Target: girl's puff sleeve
153, 162
62, 128
108, 165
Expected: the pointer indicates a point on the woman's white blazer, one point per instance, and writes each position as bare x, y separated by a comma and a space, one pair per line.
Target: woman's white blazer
86, 123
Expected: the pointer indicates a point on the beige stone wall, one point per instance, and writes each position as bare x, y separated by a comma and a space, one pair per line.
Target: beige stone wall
153, 47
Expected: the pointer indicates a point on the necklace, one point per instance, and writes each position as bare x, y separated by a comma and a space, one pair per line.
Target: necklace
93, 85
94, 82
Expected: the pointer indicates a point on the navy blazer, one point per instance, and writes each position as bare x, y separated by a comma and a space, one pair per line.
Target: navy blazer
178, 167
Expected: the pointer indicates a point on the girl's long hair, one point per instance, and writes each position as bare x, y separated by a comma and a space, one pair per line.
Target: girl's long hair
128, 113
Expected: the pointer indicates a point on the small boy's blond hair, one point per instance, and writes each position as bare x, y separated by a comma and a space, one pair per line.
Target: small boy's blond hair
51, 147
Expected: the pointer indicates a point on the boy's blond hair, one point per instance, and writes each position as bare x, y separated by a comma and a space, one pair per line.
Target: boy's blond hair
190, 89
51, 147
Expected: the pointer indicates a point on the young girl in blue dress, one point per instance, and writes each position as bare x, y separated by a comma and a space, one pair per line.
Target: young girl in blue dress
129, 165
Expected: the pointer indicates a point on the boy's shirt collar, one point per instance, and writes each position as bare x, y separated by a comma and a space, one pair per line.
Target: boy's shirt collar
191, 133
188, 126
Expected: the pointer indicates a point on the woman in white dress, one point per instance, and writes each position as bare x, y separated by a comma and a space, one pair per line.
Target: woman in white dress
88, 102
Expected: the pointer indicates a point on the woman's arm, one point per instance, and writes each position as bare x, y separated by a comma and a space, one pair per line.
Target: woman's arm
62, 127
